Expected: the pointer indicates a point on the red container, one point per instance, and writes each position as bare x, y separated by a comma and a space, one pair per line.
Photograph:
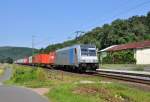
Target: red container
41, 59
34, 59
52, 56
26, 60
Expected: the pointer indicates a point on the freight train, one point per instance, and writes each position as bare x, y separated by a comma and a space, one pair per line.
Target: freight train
81, 57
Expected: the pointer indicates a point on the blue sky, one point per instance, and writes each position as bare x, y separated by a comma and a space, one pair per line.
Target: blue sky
56, 20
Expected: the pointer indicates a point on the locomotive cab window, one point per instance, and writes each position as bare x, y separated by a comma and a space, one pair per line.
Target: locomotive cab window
92, 52
88, 51
84, 52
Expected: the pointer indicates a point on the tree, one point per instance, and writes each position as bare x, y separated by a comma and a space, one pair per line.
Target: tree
136, 28
8, 60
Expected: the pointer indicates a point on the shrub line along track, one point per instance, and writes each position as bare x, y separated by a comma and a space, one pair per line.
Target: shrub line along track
132, 76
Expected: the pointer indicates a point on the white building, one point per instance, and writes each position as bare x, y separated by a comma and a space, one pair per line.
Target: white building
141, 50
142, 55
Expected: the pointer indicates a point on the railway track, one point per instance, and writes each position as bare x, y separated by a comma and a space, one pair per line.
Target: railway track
132, 76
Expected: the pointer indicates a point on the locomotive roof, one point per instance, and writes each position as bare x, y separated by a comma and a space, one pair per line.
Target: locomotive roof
77, 45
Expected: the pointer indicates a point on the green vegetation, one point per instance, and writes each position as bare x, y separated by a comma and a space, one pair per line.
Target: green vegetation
136, 28
29, 77
97, 93
7, 54
132, 67
2, 68
1, 71
71, 87
139, 68
74, 89
7, 60
120, 57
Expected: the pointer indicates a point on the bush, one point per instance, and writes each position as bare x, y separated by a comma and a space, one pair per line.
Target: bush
108, 59
139, 68
120, 57
25, 74
41, 75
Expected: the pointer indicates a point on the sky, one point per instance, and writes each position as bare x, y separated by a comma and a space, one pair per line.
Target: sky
55, 21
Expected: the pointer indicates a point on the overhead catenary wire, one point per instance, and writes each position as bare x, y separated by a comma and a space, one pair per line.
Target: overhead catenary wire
118, 14
112, 17
33, 44
123, 12
47, 40
130, 9
42, 41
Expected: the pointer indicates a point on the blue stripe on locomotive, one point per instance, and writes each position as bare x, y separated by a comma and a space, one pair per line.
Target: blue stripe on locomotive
71, 56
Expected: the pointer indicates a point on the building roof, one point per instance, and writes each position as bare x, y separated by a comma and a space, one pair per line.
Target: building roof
135, 45
103, 50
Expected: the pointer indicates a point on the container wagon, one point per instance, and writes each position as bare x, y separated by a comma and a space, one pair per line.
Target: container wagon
52, 57
30, 60
41, 59
26, 60
20, 61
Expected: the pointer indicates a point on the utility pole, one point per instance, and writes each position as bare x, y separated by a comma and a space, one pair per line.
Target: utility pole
33, 44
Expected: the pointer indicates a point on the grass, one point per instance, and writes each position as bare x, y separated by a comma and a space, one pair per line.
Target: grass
1, 71
97, 93
65, 94
129, 94
65, 91
71, 87
2, 68
29, 77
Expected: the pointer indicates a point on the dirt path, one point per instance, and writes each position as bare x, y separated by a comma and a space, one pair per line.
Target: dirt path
6, 75
40, 91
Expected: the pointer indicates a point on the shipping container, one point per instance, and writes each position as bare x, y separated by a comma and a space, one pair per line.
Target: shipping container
52, 57
20, 61
26, 60
34, 59
41, 59
30, 60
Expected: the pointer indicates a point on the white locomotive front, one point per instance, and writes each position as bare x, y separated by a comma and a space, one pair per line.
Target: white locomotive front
88, 57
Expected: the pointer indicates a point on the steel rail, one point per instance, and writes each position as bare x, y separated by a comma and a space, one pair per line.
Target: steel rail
138, 78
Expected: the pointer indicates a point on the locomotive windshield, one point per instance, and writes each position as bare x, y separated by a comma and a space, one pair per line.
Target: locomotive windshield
88, 50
